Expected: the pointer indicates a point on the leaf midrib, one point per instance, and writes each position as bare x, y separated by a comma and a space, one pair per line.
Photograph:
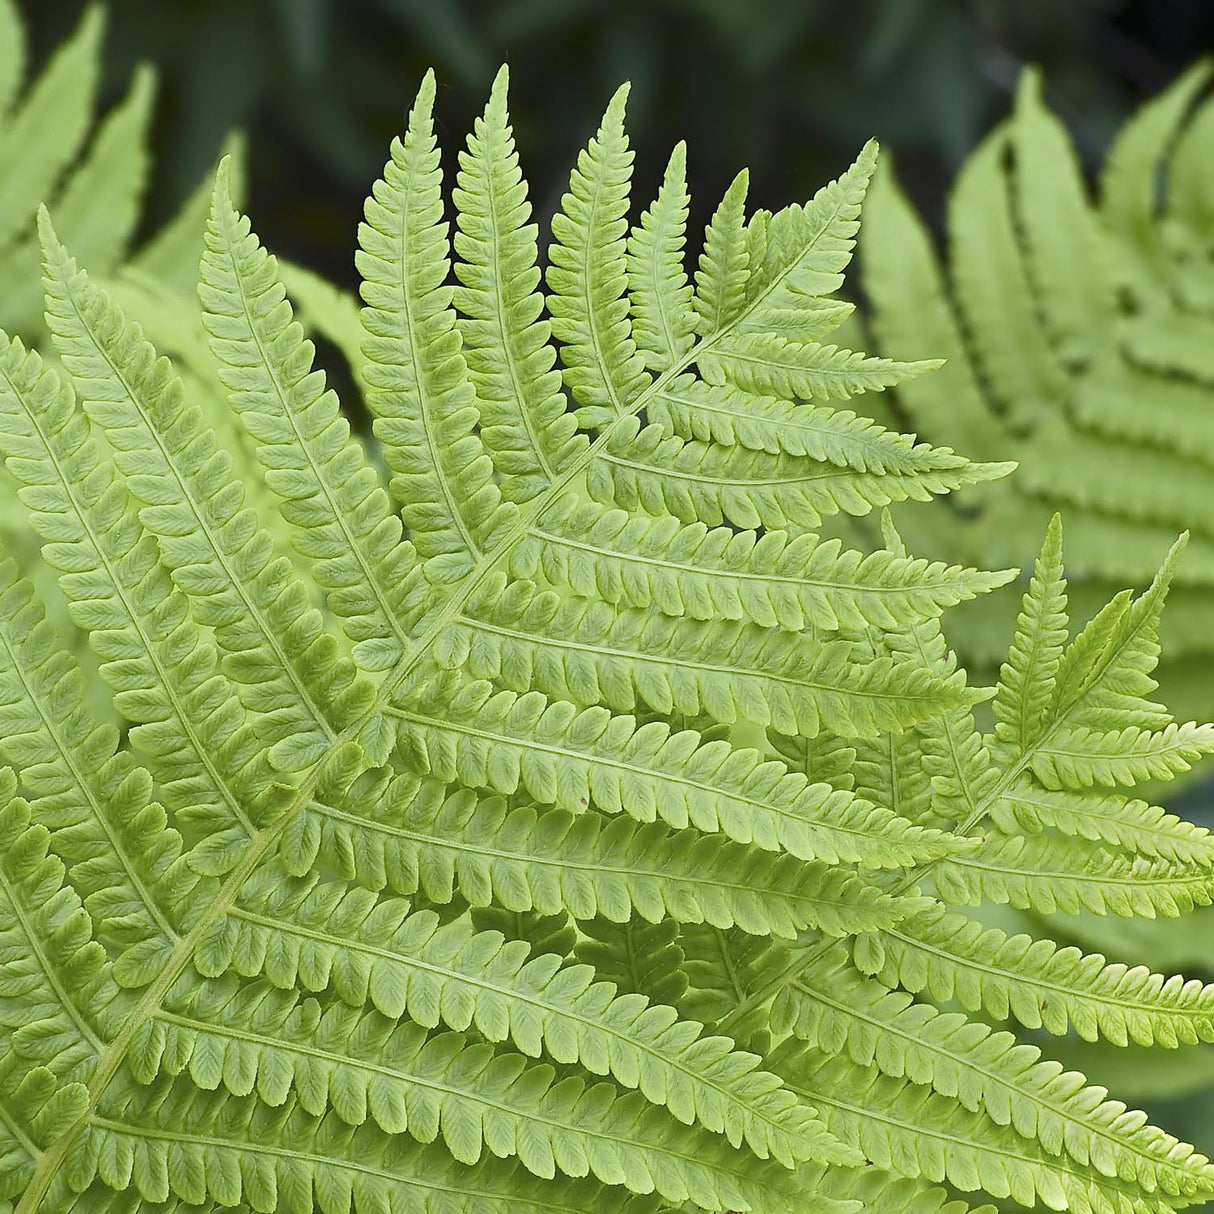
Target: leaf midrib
450, 843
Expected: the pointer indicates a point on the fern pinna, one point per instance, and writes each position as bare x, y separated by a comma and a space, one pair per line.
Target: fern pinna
1077, 329
594, 837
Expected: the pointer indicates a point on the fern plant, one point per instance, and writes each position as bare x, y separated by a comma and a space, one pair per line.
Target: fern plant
582, 831
1077, 333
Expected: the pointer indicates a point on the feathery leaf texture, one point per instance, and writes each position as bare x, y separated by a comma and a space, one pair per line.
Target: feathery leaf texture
562, 822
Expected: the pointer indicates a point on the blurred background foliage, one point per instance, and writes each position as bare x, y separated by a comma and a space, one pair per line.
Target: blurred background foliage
791, 88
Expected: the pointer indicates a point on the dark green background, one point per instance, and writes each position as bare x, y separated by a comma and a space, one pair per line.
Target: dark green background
791, 88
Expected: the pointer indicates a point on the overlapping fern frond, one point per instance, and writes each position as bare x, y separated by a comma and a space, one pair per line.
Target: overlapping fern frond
1077, 331
94, 171
94, 178
564, 824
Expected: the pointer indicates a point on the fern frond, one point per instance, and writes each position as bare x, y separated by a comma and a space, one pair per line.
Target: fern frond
94, 800
573, 759
366, 950
720, 291
709, 572
1127, 181
283, 1159
611, 857
727, 414
989, 1071
913, 313
1082, 757
1027, 680
911, 1129
170, 258
42, 137
228, 568
93, 179
481, 1101
1024, 872
824, 759
99, 207
747, 489
1064, 243
774, 366
806, 248
731, 673
1040, 984
881, 1193
887, 771
162, 669
56, 977
722, 969
992, 284
1132, 825
593, 867
1076, 325
341, 515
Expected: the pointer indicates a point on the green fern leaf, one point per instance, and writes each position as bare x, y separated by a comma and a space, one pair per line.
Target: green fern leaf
44, 134
523, 413
588, 276
341, 515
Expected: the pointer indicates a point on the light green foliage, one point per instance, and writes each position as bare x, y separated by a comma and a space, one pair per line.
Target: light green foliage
91, 171
1077, 327
560, 823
